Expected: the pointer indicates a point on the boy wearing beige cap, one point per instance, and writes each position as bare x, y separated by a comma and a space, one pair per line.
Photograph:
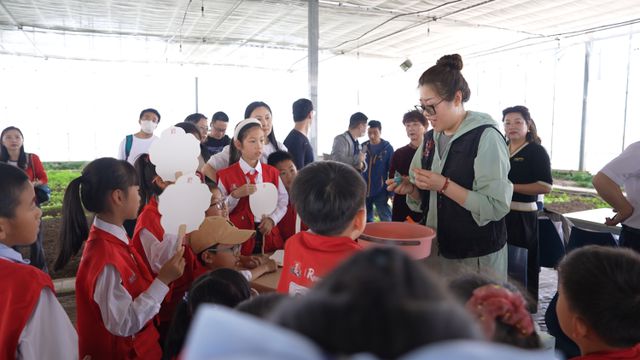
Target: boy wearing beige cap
217, 245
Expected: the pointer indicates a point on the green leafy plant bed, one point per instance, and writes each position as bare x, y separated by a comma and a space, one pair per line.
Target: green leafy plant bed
58, 181
564, 202
572, 178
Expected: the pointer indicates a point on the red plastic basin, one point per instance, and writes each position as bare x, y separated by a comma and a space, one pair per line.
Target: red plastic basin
414, 239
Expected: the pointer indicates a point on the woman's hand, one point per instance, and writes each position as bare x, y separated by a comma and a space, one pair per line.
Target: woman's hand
266, 224
243, 191
428, 180
620, 216
404, 187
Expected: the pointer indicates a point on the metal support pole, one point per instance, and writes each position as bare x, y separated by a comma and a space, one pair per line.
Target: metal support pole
585, 92
626, 94
314, 35
196, 94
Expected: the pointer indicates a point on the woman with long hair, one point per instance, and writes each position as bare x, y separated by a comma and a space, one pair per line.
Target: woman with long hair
12, 152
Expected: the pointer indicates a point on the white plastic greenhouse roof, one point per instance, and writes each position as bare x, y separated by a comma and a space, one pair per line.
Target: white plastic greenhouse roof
273, 33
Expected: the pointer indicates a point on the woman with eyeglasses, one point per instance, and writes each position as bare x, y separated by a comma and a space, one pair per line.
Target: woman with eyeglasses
458, 178
531, 175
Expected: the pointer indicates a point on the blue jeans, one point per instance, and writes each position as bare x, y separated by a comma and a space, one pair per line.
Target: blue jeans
381, 202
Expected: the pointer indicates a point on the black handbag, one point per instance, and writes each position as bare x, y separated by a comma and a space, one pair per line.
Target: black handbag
43, 192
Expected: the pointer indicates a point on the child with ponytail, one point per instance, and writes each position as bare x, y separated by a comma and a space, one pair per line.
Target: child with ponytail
239, 180
117, 298
154, 245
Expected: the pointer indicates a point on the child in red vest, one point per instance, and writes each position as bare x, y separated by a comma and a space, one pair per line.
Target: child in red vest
599, 302
156, 246
33, 325
238, 182
217, 245
330, 198
290, 223
117, 298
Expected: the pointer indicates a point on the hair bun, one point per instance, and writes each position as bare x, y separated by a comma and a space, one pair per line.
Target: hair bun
453, 62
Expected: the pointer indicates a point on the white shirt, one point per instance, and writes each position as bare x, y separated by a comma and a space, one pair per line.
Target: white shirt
283, 196
48, 333
121, 314
138, 146
158, 252
220, 160
624, 170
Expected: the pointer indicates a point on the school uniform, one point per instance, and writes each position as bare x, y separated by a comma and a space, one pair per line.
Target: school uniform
33, 324
156, 249
117, 298
239, 210
308, 257
291, 223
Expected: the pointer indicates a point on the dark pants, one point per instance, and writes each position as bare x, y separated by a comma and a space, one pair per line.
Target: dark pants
522, 230
381, 202
257, 247
630, 237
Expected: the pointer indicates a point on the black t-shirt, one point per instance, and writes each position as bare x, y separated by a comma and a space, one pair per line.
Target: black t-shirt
529, 165
215, 146
299, 147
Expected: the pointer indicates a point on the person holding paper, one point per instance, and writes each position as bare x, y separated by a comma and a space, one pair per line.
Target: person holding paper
155, 245
117, 297
257, 110
238, 182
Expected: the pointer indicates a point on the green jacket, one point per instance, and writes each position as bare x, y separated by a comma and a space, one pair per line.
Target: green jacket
490, 197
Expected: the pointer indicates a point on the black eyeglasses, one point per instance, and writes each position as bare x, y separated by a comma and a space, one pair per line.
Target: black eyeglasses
429, 109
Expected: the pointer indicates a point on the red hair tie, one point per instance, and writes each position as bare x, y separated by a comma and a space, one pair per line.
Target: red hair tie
493, 302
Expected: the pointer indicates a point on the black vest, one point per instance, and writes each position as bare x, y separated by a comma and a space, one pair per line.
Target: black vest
459, 236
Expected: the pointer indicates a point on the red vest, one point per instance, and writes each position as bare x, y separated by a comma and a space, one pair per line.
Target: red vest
19, 295
308, 257
149, 219
95, 340
287, 225
241, 216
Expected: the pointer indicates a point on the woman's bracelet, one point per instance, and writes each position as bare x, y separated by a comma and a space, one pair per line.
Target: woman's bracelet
445, 186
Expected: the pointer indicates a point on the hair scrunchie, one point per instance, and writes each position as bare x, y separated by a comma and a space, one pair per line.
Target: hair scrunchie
493, 302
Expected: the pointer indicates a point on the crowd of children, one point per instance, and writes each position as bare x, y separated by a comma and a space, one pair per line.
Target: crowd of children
136, 296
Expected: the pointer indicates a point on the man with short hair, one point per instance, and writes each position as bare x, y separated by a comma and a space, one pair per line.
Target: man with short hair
346, 148
200, 121
217, 139
135, 144
378, 154
415, 125
297, 141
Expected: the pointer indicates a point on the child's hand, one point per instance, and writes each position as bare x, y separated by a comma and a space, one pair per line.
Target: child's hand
270, 265
266, 225
173, 268
244, 190
251, 262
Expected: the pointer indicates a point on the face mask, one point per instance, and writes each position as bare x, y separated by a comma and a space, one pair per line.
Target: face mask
148, 126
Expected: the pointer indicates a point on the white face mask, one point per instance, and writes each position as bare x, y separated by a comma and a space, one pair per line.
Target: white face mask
148, 126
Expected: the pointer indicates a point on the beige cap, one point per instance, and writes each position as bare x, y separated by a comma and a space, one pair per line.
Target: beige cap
217, 230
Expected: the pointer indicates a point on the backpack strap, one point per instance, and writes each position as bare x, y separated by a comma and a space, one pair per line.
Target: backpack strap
127, 146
